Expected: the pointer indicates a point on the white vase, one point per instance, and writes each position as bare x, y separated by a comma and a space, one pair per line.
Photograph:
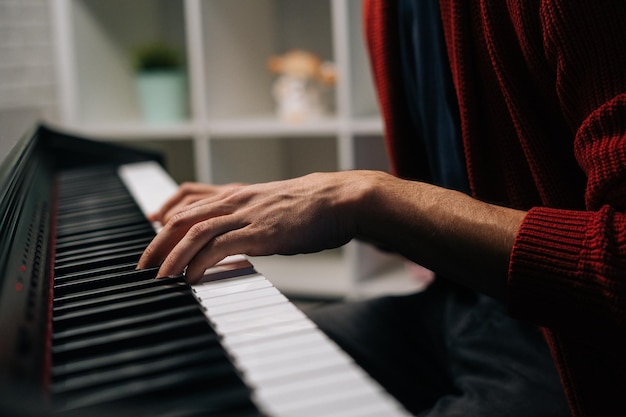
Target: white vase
162, 96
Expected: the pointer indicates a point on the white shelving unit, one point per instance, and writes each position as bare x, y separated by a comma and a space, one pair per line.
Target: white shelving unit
231, 133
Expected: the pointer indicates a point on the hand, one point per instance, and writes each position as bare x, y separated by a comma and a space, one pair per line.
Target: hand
301, 215
187, 193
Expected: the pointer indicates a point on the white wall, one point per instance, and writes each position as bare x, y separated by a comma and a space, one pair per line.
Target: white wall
27, 67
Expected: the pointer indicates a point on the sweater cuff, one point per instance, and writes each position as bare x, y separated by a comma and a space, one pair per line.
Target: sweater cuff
544, 265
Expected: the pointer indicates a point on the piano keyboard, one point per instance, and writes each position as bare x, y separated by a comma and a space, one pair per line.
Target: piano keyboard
232, 345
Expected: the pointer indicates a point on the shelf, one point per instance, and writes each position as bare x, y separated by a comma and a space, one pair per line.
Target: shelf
270, 126
134, 130
235, 128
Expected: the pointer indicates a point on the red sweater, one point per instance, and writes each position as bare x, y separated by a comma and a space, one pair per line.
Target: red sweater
541, 87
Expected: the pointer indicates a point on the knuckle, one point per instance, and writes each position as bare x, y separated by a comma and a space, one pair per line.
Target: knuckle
177, 220
198, 230
186, 187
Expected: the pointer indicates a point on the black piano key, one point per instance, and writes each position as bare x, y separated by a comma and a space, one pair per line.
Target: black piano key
102, 247
121, 309
141, 368
60, 336
123, 339
97, 225
87, 256
137, 279
98, 262
93, 205
170, 384
79, 197
181, 344
84, 280
113, 235
118, 297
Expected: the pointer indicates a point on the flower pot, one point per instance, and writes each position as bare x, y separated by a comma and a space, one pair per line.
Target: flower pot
162, 96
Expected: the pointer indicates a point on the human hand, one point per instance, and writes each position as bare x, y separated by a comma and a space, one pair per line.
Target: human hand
301, 215
188, 193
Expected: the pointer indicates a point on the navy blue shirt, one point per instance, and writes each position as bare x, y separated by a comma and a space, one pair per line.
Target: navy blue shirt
429, 91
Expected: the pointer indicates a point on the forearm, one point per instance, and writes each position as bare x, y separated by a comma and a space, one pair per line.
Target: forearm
464, 239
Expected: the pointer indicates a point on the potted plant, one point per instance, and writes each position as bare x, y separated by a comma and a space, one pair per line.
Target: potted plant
161, 83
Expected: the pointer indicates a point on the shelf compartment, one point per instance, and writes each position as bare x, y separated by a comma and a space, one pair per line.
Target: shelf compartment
241, 35
105, 35
262, 159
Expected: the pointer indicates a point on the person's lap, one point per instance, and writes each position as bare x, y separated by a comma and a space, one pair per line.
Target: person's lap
448, 351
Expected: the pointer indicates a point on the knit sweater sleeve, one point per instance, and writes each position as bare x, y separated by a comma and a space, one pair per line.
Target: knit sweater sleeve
568, 268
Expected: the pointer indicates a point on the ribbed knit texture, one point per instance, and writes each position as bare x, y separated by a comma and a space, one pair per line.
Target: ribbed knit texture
541, 87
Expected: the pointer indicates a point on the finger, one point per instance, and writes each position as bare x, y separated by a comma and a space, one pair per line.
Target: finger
186, 201
234, 242
194, 241
182, 191
171, 234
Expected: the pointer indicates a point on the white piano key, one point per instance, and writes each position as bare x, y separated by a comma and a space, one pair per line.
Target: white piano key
315, 365
247, 305
238, 297
331, 389
315, 406
268, 364
278, 357
234, 327
278, 391
208, 291
386, 407
231, 266
262, 311
266, 332
228, 282
283, 344
149, 184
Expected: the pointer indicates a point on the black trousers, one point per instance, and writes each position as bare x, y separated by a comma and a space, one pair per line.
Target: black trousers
449, 351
